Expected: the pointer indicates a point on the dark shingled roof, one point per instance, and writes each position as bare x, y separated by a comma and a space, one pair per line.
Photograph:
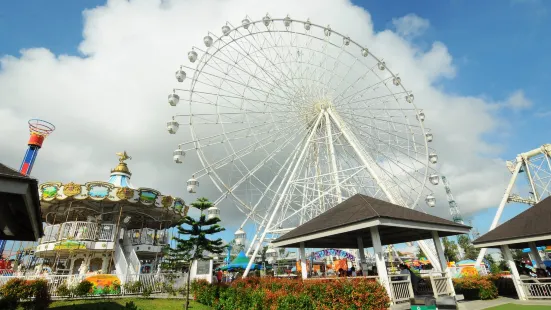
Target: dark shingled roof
12, 173
533, 222
27, 233
360, 208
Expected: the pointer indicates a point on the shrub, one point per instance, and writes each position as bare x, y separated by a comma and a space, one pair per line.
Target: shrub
482, 287
32, 293
282, 294
84, 288
63, 290
132, 287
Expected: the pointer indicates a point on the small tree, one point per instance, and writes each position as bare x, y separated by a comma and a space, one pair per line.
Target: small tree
465, 243
420, 253
198, 231
451, 252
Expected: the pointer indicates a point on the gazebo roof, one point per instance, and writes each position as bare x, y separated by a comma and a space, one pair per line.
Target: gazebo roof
339, 226
532, 225
19, 206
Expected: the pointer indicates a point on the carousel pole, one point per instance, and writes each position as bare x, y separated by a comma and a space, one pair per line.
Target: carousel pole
117, 231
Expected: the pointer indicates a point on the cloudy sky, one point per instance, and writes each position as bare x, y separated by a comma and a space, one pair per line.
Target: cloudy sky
101, 72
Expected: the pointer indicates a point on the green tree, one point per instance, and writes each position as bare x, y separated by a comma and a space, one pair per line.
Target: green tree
175, 259
518, 254
420, 253
465, 243
198, 232
451, 251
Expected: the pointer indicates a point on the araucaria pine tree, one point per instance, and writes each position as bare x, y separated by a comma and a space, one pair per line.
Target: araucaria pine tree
197, 231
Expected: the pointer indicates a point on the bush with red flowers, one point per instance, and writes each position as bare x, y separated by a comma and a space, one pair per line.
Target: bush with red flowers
475, 287
281, 294
33, 294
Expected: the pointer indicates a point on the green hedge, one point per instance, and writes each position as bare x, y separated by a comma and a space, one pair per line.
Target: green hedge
284, 294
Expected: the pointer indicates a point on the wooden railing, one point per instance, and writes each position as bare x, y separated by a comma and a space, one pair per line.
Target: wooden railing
536, 288
401, 289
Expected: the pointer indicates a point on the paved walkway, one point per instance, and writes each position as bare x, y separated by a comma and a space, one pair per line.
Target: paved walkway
484, 304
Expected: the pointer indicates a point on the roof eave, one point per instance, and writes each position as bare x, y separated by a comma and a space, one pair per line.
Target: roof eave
493, 243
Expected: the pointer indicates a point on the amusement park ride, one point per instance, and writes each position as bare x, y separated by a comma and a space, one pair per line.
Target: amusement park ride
290, 118
536, 166
103, 227
39, 130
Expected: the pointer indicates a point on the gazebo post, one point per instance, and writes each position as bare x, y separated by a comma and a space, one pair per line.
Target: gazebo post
442, 260
361, 252
303, 270
380, 259
516, 277
536, 254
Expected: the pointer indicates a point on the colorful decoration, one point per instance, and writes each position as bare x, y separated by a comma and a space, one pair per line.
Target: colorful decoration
333, 253
49, 191
71, 189
105, 284
469, 271
99, 190
70, 245
148, 196
167, 201
125, 193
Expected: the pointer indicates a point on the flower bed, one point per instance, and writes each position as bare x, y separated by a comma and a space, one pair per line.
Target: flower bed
475, 287
280, 294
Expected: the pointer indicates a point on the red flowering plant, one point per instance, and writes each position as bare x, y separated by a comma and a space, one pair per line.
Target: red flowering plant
32, 293
273, 293
476, 287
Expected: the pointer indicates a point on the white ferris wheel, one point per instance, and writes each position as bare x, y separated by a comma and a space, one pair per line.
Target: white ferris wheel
289, 118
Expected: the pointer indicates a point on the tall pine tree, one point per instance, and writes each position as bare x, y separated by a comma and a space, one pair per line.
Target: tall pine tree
198, 232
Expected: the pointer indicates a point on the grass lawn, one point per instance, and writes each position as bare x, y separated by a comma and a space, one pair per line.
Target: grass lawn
520, 307
118, 303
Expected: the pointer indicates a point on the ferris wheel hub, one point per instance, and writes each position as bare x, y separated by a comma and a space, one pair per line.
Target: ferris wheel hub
322, 105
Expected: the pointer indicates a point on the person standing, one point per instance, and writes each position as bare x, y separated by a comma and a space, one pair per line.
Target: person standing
219, 275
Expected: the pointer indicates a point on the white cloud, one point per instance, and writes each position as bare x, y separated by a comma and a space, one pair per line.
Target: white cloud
410, 25
517, 101
113, 98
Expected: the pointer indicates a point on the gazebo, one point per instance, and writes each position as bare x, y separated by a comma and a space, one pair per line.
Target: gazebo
240, 262
529, 229
362, 221
20, 217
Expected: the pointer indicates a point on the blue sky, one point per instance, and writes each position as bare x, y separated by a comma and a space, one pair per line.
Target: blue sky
498, 46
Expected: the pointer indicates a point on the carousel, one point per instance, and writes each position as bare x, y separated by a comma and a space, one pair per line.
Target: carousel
105, 227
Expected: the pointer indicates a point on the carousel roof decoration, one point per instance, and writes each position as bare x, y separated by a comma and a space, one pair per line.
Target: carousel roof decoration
117, 190
120, 176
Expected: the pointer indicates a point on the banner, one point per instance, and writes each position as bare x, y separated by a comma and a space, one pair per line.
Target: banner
333, 253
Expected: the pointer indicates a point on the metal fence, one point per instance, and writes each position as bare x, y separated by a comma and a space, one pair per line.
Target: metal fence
172, 283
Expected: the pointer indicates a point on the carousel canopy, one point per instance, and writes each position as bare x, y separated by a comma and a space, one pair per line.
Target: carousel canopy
141, 207
19, 206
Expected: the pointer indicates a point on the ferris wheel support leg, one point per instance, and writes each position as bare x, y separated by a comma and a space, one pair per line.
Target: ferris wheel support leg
367, 163
282, 196
334, 169
501, 206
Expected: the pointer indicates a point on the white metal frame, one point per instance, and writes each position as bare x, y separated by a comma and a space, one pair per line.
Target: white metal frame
281, 101
537, 166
